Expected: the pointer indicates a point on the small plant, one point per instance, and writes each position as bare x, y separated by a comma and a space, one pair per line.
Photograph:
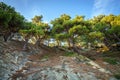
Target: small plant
110, 53
106, 53
117, 76
45, 57
110, 60
70, 54
92, 58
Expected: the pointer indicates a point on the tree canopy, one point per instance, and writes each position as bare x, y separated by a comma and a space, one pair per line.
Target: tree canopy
10, 20
103, 29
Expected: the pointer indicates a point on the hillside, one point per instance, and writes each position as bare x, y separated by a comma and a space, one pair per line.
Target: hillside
52, 63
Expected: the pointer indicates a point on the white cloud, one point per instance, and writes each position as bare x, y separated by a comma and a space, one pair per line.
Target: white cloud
101, 7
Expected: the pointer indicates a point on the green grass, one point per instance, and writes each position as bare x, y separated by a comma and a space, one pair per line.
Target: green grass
117, 76
45, 57
111, 60
70, 54
111, 54
92, 58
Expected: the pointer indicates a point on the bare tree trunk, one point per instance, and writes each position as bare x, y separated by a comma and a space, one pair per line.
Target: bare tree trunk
69, 43
73, 43
11, 36
58, 43
25, 47
116, 37
48, 42
5, 36
38, 42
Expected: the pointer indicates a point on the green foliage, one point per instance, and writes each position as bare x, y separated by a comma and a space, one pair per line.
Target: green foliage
117, 76
115, 29
32, 30
96, 36
9, 20
100, 29
65, 17
9, 17
97, 19
111, 60
61, 36
46, 57
70, 54
111, 53
61, 27
108, 19
67, 24
57, 28
109, 26
78, 19
80, 30
100, 26
37, 19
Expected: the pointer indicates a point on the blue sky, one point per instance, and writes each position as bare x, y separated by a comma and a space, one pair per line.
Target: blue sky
51, 9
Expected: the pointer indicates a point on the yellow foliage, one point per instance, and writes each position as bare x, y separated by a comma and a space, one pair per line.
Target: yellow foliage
103, 49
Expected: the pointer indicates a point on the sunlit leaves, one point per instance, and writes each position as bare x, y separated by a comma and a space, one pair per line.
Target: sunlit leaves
96, 35
115, 29
80, 30
62, 36
65, 17
101, 27
37, 19
108, 19
57, 29
79, 18
98, 18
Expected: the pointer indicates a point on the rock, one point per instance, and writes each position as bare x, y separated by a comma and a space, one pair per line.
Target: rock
105, 63
58, 73
11, 62
94, 67
16, 62
112, 78
43, 60
103, 70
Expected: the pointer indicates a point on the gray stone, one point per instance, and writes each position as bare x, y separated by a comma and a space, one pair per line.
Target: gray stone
112, 78
105, 63
43, 60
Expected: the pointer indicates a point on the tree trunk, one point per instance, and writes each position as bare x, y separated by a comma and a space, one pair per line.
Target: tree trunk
69, 43
58, 43
116, 37
73, 42
25, 47
107, 42
48, 42
11, 36
5, 38
38, 42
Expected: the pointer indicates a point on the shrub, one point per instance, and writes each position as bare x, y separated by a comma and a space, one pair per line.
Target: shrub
70, 54
117, 76
111, 60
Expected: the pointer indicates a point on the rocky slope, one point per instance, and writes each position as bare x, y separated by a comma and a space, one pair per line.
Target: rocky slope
46, 63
